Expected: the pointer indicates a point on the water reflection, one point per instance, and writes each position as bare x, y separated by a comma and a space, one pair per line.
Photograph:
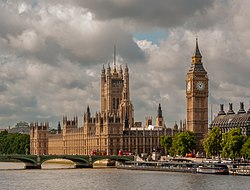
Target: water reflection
45, 165
58, 164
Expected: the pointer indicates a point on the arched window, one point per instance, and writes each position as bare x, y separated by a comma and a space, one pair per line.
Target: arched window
117, 103
104, 103
113, 103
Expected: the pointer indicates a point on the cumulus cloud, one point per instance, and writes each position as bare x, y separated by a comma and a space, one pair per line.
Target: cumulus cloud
52, 52
28, 41
53, 30
147, 46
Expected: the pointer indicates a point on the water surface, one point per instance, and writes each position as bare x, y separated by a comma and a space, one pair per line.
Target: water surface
111, 179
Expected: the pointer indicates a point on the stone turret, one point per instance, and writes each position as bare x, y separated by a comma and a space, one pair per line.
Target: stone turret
230, 111
175, 126
159, 112
148, 121
159, 118
121, 72
70, 123
108, 72
87, 115
59, 129
221, 112
241, 110
39, 138
126, 84
126, 123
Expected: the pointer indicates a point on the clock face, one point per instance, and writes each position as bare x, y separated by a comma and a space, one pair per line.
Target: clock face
188, 86
200, 85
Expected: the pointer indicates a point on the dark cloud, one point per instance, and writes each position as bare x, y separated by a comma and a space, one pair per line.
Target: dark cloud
6, 111
28, 101
158, 13
11, 23
3, 86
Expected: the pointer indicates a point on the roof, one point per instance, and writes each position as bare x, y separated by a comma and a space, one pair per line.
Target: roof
232, 120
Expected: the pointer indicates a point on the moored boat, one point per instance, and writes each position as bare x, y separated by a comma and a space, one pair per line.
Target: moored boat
213, 169
186, 167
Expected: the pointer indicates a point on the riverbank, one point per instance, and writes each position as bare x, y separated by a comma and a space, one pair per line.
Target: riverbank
151, 168
188, 167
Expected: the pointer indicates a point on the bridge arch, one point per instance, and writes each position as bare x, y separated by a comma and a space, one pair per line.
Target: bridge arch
79, 161
57, 163
29, 161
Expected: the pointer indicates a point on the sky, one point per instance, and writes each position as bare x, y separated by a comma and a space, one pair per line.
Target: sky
52, 52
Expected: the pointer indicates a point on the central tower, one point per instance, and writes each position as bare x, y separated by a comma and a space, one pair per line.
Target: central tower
197, 98
115, 95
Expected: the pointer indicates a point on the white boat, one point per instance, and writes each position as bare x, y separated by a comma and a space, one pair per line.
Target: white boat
213, 169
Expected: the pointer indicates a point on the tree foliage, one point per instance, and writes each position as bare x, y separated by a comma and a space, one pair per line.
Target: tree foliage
212, 143
245, 151
232, 143
14, 143
183, 143
166, 142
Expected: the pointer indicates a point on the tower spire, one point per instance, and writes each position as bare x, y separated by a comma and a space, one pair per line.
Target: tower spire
197, 51
114, 70
114, 55
88, 110
197, 54
159, 112
103, 71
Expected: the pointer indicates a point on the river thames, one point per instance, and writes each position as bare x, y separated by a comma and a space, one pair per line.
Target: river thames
13, 177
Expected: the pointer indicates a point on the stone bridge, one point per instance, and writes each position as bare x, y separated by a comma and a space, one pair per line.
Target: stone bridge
80, 161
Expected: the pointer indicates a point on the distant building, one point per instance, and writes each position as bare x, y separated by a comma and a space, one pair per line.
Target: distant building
3, 130
22, 124
22, 127
230, 120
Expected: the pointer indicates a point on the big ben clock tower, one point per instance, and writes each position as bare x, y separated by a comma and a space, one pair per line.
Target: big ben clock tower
197, 98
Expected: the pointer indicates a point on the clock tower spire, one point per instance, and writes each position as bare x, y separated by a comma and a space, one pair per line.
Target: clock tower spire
197, 58
197, 98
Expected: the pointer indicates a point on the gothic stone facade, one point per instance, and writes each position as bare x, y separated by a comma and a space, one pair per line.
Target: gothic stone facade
110, 130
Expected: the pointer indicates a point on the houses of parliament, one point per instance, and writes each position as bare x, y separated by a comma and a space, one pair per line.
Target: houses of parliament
114, 127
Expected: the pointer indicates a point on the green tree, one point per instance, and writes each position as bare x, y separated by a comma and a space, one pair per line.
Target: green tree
14, 143
232, 143
245, 151
166, 143
212, 143
183, 143
3, 133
